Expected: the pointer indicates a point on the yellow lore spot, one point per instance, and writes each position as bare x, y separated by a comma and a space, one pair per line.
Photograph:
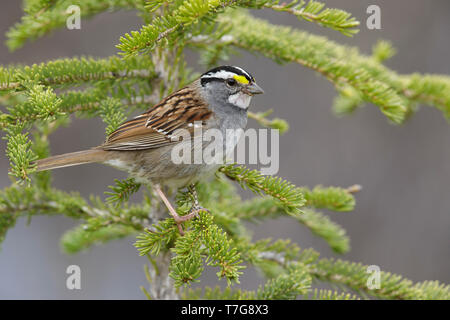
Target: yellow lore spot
241, 79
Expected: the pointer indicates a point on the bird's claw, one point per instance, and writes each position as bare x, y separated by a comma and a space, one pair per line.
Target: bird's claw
195, 210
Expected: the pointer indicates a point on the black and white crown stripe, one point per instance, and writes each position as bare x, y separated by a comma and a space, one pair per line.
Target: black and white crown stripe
225, 72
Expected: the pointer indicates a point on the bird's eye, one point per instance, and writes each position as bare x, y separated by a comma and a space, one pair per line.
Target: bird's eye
231, 82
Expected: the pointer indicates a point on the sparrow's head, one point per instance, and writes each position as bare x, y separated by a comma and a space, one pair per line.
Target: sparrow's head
230, 85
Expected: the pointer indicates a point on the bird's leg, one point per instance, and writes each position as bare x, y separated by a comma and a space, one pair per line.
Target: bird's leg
172, 211
178, 219
196, 207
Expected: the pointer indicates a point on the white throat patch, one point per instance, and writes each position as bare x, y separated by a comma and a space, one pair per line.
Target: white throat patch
240, 100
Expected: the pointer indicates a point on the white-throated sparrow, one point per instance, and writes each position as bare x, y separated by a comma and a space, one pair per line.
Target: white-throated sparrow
143, 146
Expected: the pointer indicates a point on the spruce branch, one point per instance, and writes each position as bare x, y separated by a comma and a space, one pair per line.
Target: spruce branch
317, 222
274, 257
44, 17
315, 11
322, 226
285, 286
182, 17
331, 198
158, 236
276, 123
39, 98
432, 90
122, 191
17, 201
94, 101
286, 45
105, 223
41, 148
79, 239
154, 5
221, 252
131, 82
88, 103
383, 50
288, 286
323, 294
20, 154
347, 101
290, 197
72, 71
36, 7
205, 240
396, 95
392, 286
163, 27
218, 293
111, 114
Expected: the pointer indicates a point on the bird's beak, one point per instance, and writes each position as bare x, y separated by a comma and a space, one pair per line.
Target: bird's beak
253, 88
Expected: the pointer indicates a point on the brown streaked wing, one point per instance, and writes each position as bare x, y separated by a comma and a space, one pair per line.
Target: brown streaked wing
154, 128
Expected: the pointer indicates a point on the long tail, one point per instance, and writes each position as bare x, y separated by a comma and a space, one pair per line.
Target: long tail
71, 159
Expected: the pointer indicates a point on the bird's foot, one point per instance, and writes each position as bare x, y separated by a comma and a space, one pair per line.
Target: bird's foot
193, 212
196, 209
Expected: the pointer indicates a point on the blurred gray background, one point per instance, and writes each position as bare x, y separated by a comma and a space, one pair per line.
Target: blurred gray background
402, 216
